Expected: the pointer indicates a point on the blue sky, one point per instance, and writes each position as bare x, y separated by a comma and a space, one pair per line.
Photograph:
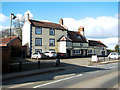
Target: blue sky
95, 16
55, 10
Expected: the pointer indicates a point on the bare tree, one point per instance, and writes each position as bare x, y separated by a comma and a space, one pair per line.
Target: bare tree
18, 24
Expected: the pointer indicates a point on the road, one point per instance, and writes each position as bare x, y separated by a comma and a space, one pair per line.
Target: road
102, 76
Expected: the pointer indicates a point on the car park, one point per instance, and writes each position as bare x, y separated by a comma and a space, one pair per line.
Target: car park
114, 55
38, 55
50, 54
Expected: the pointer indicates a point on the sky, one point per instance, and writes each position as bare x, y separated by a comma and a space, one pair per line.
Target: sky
100, 19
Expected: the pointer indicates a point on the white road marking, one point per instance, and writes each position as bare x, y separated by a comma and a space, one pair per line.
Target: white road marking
111, 67
58, 81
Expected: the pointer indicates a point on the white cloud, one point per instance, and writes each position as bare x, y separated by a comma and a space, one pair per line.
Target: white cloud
19, 16
95, 27
3, 18
109, 42
3, 27
45, 20
26, 15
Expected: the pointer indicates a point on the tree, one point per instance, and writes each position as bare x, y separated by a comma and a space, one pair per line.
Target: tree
18, 24
117, 48
6, 33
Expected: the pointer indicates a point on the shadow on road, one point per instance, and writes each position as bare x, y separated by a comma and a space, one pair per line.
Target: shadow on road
73, 69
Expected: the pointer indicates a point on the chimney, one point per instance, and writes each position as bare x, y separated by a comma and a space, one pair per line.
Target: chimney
61, 21
81, 30
28, 16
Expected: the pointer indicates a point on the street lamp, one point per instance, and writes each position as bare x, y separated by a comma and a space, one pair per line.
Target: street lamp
12, 16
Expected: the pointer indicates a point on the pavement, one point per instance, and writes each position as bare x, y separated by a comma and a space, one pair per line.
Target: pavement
65, 64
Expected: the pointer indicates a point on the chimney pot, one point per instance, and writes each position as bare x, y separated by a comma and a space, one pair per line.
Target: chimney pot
28, 16
61, 21
81, 30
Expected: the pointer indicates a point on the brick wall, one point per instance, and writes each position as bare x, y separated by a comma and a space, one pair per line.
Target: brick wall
5, 52
16, 42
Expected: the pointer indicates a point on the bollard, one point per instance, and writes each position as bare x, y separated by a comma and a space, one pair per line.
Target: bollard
20, 66
57, 63
104, 58
38, 64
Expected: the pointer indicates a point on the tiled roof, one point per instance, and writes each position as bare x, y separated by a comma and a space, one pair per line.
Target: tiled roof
96, 43
47, 24
76, 37
5, 41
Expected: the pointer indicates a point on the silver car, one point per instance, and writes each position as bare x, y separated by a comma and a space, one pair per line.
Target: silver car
50, 54
38, 55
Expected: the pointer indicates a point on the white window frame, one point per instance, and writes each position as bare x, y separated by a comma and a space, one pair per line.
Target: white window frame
38, 50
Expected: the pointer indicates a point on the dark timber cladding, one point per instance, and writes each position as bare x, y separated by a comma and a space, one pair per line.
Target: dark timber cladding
46, 24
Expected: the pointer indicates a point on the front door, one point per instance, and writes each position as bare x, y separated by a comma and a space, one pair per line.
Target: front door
69, 52
103, 53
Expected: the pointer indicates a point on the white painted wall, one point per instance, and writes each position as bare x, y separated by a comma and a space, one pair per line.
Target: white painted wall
26, 36
62, 46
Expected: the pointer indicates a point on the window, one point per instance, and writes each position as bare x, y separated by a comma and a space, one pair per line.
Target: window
89, 51
77, 51
68, 44
51, 49
51, 42
38, 41
78, 36
81, 44
51, 32
38, 30
38, 50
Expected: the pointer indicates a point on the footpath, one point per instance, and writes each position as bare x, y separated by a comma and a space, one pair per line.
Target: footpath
65, 64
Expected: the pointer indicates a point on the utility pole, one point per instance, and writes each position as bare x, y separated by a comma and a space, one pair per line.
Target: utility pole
12, 16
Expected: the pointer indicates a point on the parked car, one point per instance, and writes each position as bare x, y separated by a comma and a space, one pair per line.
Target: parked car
38, 55
114, 55
50, 54
62, 55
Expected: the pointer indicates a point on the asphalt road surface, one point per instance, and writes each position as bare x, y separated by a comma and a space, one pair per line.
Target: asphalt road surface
102, 76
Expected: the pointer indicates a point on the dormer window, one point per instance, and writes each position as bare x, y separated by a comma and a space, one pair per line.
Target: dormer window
51, 32
79, 37
38, 30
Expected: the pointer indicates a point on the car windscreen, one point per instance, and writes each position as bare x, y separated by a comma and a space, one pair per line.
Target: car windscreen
114, 54
35, 53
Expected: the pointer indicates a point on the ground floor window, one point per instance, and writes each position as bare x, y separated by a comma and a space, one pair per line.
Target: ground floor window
77, 51
89, 51
38, 50
51, 49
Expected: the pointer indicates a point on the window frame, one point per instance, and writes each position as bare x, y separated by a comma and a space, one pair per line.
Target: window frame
35, 41
52, 50
39, 50
49, 42
36, 30
74, 51
90, 51
52, 30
